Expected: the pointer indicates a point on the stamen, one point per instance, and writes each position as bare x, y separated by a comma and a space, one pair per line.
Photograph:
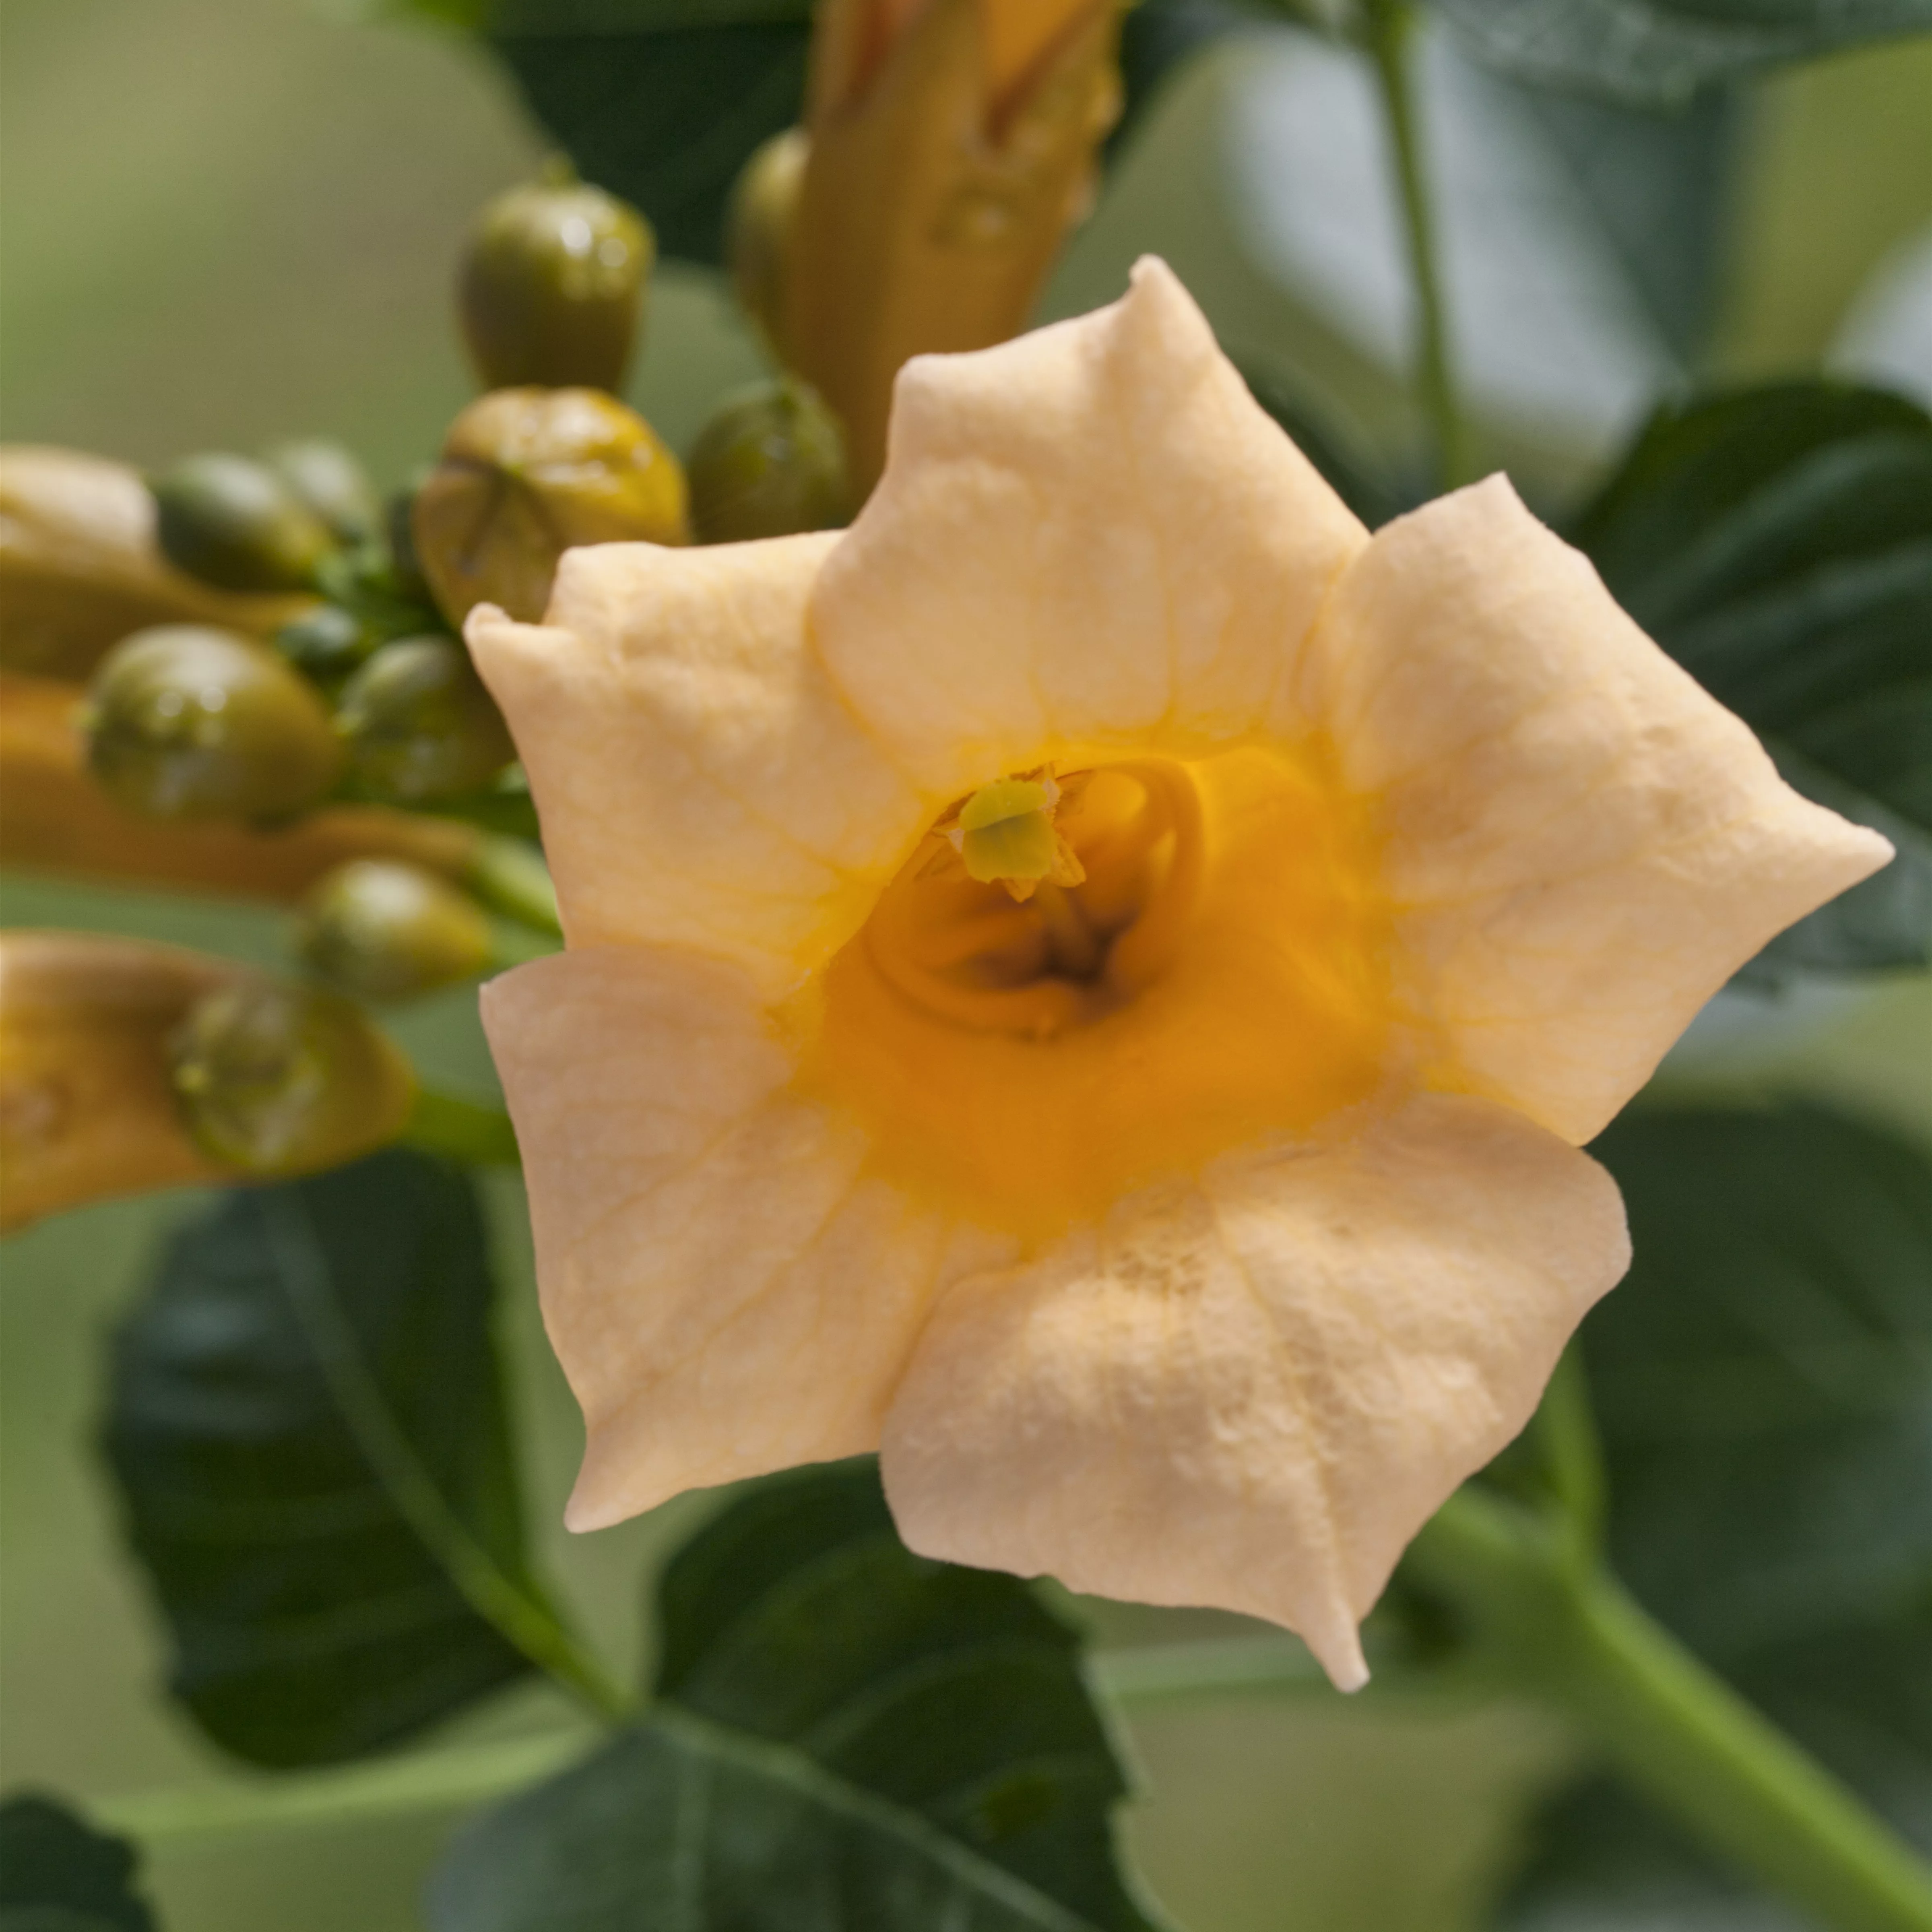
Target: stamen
1080, 933
1005, 835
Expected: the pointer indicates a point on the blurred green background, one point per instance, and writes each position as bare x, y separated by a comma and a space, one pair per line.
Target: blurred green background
226, 221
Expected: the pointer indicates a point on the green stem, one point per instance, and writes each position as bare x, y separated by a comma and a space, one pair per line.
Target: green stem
434, 1781
509, 876
461, 1130
1565, 1427
1569, 1635
1387, 36
463, 1775
515, 1608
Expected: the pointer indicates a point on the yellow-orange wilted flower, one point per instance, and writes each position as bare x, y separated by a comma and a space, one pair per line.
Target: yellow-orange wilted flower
1093, 982
952, 146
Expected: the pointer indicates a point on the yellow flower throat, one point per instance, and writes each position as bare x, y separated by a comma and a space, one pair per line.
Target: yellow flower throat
1081, 983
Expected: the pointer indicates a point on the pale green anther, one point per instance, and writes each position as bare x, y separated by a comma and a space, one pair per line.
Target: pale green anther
1006, 831
1004, 799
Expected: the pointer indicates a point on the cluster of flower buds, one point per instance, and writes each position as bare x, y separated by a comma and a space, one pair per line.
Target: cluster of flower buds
550, 298
361, 690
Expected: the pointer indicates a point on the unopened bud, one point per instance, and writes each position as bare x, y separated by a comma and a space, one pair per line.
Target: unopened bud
273, 1079
770, 463
329, 480
527, 474
189, 722
552, 287
420, 725
234, 523
86, 1109
758, 230
326, 644
80, 569
388, 931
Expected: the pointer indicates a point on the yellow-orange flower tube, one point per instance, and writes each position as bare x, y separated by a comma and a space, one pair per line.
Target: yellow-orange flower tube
952, 146
1093, 982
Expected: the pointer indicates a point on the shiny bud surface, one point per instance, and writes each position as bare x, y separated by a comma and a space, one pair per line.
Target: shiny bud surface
758, 227
527, 474
419, 724
325, 478
326, 644
185, 721
384, 931
771, 462
551, 290
273, 1079
234, 523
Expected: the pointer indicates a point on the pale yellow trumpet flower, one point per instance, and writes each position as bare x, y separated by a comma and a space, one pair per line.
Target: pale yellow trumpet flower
1093, 983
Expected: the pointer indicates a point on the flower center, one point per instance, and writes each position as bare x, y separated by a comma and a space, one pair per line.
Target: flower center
1037, 904
1085, 978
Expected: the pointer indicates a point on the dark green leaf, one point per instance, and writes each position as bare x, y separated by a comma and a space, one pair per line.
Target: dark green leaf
1778, 542
1663, 51
1763, 1378
308, 1423
845, 1735
58, 1875
1605, 1863
1763, 1382
664, 115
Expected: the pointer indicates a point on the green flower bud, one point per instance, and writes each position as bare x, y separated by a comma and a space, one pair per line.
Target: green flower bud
187, 722
326, 644
419, 724
771, 462
385, 931
527, 474
234, 523
275, 1079
324, 477
552, 287
758, 230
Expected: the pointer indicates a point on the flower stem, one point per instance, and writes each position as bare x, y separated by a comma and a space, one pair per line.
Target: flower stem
1387, 36
461, 1130
431, 1780
1568, 1634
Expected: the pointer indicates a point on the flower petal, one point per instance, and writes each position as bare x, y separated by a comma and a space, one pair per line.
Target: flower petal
1088, 535
1251, 1392
699, 781
727, 1290
1582, 845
